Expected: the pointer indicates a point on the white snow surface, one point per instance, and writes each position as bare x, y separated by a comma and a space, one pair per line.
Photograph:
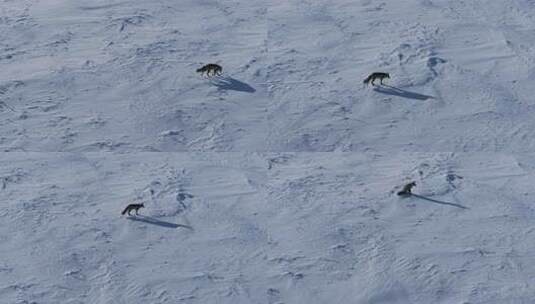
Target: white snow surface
276, 182
87, 76
267, 228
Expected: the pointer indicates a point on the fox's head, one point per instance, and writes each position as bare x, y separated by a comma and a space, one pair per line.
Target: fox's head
143, 204
388, 76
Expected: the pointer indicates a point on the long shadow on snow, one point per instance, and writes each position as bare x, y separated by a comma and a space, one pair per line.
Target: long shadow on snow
439, 202
151, 220
390, 90
229, 83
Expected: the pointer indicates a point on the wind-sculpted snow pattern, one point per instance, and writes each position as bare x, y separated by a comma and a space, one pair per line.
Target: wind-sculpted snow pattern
277, 181
120, 75
267, 228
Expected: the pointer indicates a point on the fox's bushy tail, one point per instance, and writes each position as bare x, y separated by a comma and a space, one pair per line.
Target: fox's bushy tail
124, 211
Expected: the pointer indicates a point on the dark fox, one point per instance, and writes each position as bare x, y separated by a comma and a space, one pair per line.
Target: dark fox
131, 207
211, 67
407, 189
376, 75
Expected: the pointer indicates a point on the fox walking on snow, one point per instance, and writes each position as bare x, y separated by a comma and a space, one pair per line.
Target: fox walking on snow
131, 207
407, 189
216, 69
376, 75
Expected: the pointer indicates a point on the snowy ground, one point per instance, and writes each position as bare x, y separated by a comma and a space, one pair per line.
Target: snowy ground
120, 75
267, 228
238, 207
462, 73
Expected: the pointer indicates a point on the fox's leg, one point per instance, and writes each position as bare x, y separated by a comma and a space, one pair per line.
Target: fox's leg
373, 81
129, 210
137, 211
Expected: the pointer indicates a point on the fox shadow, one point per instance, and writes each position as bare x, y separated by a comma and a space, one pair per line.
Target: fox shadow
438, 202
228, 83
390, 90
157, 222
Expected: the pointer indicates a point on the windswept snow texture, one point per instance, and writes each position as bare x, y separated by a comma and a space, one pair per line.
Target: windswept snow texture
120, 75
273, 228
101, 106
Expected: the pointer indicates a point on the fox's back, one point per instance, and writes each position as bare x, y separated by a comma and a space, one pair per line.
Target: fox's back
380, 75
134, 207
210, 67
